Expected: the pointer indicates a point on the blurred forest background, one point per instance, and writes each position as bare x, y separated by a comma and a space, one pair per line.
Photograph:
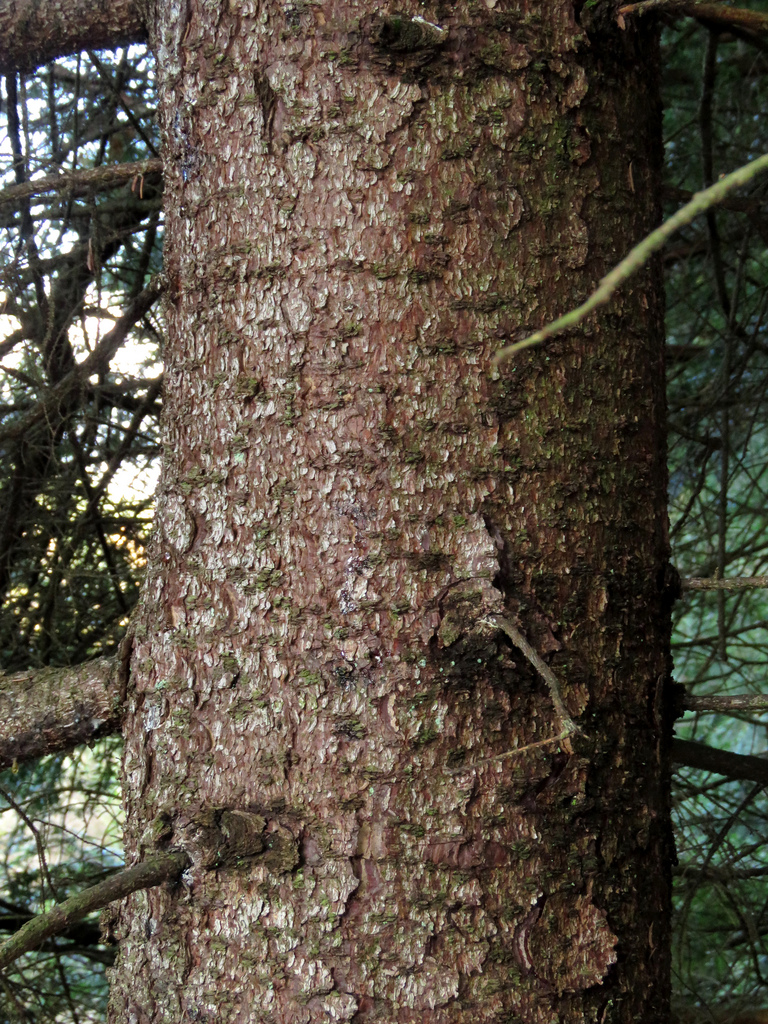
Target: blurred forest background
80, 388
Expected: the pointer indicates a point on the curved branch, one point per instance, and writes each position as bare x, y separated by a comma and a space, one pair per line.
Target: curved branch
640, 254
142, 876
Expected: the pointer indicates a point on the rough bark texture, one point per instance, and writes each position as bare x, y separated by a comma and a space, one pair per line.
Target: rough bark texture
54, 709
356, 220
32, 32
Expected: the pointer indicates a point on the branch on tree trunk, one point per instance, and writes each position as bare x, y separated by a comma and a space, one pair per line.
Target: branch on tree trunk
721, 762
714, 14
142, 876
46, 710
738, 702
734, 583
13, 917
78, 183
640, 254
394, 32
568, 726
33, 33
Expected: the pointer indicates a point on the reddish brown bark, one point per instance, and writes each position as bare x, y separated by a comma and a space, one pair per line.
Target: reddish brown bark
350, 496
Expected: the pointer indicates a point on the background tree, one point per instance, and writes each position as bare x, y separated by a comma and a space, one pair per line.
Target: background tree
80, 405
79, 245
716, 274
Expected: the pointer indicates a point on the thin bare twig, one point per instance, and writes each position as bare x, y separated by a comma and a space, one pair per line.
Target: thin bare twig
507, 753
640, 254
546, 673
47, 880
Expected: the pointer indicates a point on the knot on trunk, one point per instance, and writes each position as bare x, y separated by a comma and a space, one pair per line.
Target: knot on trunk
221, 837
404, 34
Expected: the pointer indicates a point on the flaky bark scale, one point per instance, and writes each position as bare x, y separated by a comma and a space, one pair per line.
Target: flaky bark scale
351, 495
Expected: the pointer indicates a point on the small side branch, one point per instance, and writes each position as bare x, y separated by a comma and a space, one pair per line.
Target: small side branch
721, 762
51, 709
640, 254
78, 183
509, 629
149, 873
714, 14
723, 705
734, 583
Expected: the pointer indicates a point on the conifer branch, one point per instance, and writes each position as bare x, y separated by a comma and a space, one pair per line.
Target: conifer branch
50, 709
33, 33
732, 583
724, 704
146, 875
83, 181
714, 14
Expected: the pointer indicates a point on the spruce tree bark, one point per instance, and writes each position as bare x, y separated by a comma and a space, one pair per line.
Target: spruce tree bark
358, 514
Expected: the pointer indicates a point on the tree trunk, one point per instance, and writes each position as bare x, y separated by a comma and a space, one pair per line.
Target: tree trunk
360, 211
